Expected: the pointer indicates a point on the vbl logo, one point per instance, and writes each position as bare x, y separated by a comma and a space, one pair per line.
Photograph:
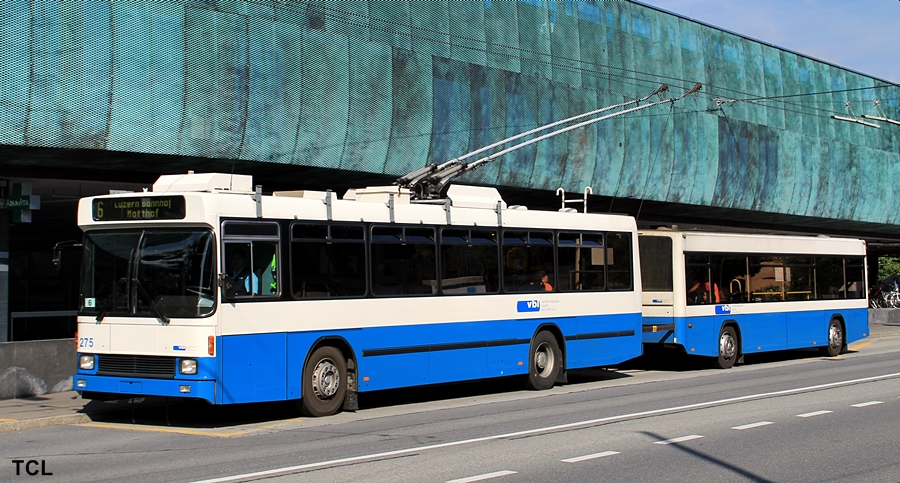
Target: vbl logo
723, 309
528, 306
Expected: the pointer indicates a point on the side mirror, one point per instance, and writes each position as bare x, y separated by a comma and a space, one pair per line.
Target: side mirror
58, 251
228, 287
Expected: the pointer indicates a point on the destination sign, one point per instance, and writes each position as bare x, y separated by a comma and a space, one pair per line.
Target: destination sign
136, 209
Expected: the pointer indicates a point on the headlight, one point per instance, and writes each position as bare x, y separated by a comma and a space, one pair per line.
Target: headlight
86, 363
189, 366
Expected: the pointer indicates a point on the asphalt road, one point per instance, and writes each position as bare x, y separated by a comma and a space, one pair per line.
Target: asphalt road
788, 417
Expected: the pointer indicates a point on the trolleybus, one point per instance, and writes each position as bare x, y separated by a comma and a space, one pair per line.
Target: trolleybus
725, 295
206, 288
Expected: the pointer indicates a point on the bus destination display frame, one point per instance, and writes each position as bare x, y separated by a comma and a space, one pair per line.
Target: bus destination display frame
143, 208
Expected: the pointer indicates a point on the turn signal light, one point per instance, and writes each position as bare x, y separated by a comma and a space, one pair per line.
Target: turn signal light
211, 345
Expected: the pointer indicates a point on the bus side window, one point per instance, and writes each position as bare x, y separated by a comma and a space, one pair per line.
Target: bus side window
250, 249
237, 266
265, 266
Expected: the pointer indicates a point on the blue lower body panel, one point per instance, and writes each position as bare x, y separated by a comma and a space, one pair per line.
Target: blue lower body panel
757, 332
269, 367
205, 390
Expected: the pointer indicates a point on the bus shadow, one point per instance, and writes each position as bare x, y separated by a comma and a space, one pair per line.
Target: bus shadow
193, 414
667, 360
486, 387
163, 412
674, 360
171, 412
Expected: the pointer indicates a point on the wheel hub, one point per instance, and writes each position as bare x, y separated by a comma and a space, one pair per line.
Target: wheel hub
325, 379
835, 336
727, 346
543, 359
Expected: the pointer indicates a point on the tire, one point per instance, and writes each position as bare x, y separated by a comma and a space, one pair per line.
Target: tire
324, 382
544, 362
835, 339
728, 349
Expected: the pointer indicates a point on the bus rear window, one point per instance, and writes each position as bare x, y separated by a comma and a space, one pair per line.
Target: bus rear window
656, 263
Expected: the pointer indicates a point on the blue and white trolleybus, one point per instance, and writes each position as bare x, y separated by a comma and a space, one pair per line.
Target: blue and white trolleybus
723, 295
205, 288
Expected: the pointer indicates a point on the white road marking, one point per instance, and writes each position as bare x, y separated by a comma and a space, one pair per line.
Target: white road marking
814, 413
546, 429
753, 425
680, 439
589, 457
862, 405
486, 476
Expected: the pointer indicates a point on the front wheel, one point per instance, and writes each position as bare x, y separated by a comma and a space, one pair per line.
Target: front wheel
835, 339
728, 349
545, 361
324, 382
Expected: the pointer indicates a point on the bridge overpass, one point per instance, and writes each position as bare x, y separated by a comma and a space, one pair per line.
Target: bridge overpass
99, 95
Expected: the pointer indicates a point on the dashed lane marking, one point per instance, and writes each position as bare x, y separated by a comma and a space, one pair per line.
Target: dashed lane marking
814, 413
753, 425
680, 439
862, 405
486, 476
578, 459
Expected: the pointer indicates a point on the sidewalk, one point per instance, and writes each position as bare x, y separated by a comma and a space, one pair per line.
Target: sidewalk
68, 407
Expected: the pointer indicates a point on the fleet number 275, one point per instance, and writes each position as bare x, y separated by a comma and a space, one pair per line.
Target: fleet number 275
85, 342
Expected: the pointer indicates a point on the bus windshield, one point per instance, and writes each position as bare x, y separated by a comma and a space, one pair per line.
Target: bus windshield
158, 273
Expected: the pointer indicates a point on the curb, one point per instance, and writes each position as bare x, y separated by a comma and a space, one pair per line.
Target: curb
884, 334
42, 422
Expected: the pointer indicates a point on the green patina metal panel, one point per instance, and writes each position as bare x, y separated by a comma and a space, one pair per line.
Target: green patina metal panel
501, 24
15, 22
467, 32
452, 116
146, 79
370, 106
44, 117
390, 23
411, 112
430, 22
386, 86
324, 101
268, 135
536, 24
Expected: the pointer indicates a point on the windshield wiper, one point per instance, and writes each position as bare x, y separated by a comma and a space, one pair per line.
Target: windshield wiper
106, 305
157, 311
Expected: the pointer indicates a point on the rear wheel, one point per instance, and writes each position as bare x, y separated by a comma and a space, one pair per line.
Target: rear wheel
324, 382
545, 361
835, 339
728, 349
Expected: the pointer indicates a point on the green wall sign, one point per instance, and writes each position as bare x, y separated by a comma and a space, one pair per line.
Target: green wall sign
21, 202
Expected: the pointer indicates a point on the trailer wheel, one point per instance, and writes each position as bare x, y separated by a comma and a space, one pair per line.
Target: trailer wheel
544, 361
728, 348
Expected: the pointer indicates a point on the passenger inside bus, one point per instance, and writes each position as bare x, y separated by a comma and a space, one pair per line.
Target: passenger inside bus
545, 282
700, 292
244, 280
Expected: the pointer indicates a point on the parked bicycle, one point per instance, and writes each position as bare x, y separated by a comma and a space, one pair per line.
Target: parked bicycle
886, 295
